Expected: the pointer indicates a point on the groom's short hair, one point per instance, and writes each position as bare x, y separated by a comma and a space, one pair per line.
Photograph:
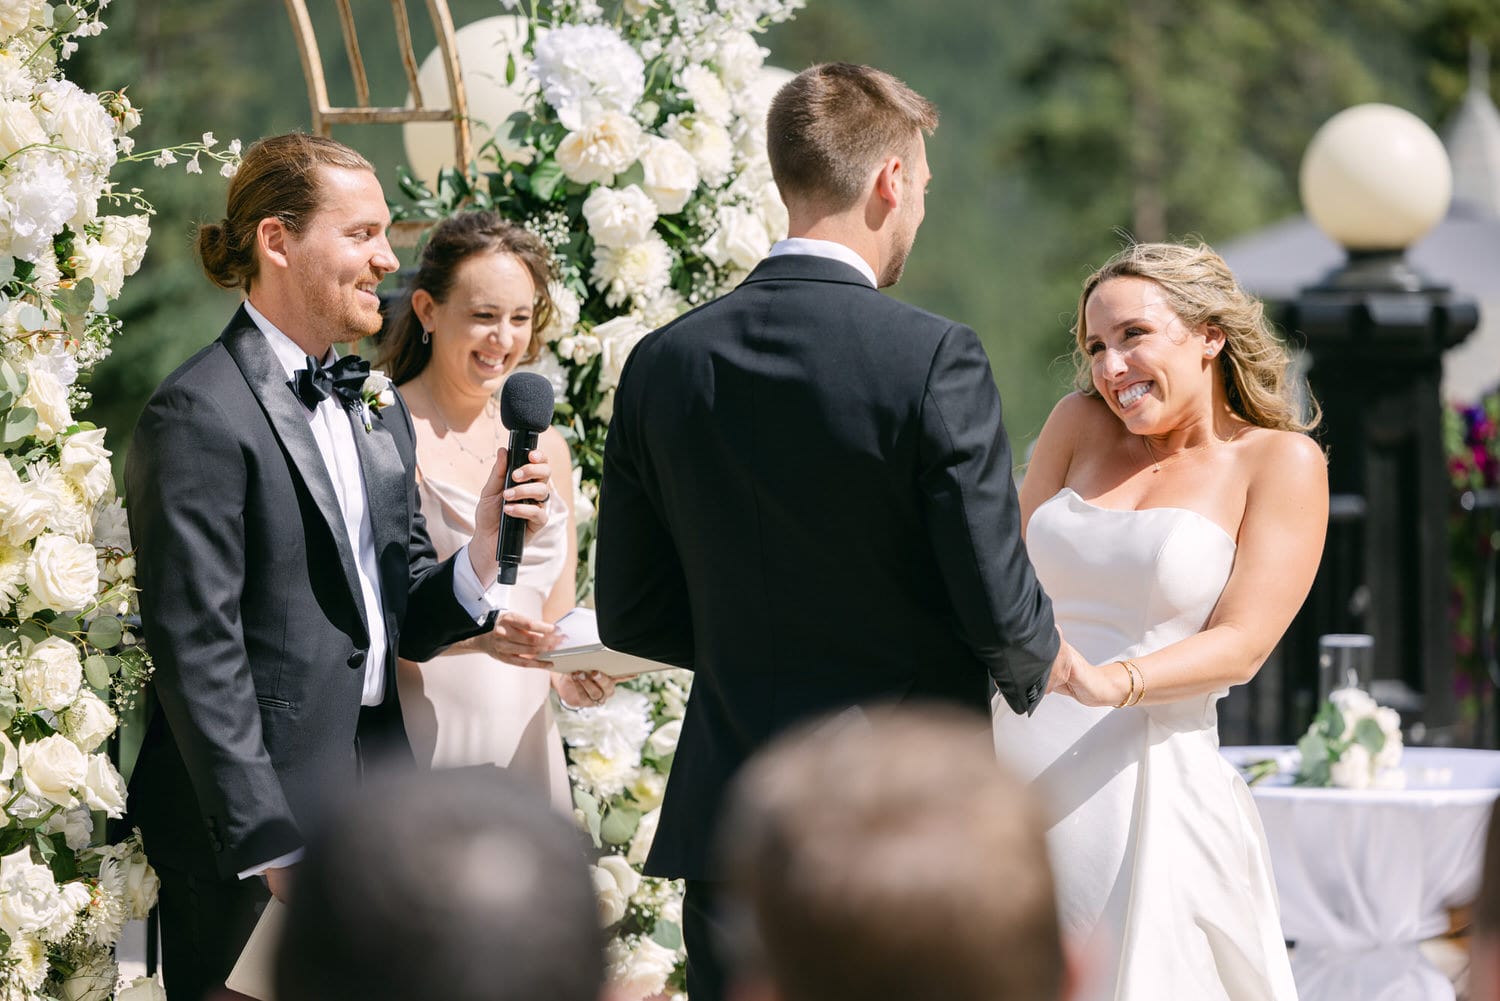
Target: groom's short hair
830, 125
889, 855
463, 885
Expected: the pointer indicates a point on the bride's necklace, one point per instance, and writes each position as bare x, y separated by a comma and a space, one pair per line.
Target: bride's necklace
1156, 463
457, 440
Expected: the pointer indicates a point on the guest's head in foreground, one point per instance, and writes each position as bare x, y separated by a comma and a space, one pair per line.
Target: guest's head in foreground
1219, 352
303, 236
888, 855
477, 308
849, 158
1484, 966
461, 885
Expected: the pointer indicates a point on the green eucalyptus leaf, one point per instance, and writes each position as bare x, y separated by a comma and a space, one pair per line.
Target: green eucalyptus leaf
19, 423
1368, 733
619, 825
12, 380
7, 636
32, 631
96, 671
546, 178
1330, 721
636, 174
667, 935
64, 625
8, 709
105, 632
589, 807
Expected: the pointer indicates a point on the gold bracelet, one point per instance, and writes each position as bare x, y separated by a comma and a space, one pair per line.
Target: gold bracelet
1131, 675
1133, 666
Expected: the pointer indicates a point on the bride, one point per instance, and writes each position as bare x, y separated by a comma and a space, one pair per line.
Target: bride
1175, 513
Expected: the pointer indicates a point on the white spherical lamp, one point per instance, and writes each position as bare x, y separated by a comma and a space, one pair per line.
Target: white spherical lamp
483, 50
1375, 178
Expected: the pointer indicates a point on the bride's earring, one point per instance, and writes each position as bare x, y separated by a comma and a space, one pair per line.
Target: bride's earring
426, 336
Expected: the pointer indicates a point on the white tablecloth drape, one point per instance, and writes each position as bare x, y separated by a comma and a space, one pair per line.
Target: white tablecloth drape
1364, 875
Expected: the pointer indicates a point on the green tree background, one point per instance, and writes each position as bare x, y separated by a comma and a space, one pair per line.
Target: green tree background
1068, 125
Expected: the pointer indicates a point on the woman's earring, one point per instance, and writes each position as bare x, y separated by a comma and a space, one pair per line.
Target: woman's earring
426, 336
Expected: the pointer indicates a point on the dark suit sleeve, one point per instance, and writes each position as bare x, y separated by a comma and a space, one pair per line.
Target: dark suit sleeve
186, 478
640, 589
974, 522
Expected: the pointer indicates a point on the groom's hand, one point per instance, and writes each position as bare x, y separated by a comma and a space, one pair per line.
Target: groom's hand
1063, 666
279, 882
526, 500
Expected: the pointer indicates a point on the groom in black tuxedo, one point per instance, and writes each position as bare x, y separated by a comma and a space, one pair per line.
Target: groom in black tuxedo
282, 558
807, 493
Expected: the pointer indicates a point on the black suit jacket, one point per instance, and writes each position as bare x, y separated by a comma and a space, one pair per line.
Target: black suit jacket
251, 607
807, 499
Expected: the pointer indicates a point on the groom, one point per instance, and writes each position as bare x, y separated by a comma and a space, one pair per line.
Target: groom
282, 559
807, 492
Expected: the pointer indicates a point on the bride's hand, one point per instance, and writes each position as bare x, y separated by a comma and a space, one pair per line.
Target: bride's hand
1099, 684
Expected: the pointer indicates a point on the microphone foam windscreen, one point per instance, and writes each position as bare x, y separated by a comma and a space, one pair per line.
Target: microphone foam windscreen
526, 402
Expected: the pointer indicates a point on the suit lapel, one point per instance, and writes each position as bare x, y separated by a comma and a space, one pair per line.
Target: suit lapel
268, 381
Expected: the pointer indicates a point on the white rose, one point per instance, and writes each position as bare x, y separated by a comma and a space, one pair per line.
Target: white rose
640, 972
142, 989
671, 174
141, 885
740, 240
104, 787
75, 825
88, 721
127, 235
664, 741
707, 93
17, 15
1390, 725
648, 788
85, 461
376, 382
707, 142
638, 273
565, 312
19, 127
91, 982
52, 675
52, 768
63, 573
619, 218
618, 337
24, 511
49, 399
615, 882
1354, 768
29, 899
604, 147
101, 263
645, 834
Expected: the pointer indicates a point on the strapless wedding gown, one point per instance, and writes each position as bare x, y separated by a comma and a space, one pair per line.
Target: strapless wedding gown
466, 708
1158, 853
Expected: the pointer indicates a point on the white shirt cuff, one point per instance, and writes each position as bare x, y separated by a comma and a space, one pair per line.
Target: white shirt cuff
280, 862
475, 599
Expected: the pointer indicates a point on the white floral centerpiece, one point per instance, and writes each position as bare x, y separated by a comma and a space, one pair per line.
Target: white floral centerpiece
1353, 743
641, 160
69, 663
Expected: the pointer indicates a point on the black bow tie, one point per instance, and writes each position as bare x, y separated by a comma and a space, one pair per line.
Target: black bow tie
345, 379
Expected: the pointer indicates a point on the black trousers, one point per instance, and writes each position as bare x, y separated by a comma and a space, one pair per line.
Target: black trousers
205, 922
702, 933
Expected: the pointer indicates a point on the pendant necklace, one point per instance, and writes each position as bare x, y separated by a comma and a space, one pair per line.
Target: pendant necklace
438, 413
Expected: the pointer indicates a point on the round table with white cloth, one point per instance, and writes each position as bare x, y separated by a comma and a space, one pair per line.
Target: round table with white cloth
1364, 875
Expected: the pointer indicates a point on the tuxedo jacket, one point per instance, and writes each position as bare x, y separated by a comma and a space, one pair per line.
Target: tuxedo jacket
251, 607
807, 500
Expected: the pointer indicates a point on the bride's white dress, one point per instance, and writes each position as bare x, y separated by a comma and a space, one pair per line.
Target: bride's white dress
1157, 850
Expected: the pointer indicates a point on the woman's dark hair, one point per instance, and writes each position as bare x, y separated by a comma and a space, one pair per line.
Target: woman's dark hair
278, 177
403, 354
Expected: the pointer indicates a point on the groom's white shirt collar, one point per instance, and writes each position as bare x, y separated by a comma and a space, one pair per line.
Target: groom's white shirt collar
286, 350
825, 248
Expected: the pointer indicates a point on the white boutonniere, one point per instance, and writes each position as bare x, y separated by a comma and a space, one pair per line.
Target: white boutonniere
377, 394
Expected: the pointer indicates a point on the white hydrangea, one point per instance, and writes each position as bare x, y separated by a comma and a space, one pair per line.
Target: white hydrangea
704, 88
111, 527
739, 60
619, 217
585, 70
75, 825
639, 272
38, 200
19, 126
616, 729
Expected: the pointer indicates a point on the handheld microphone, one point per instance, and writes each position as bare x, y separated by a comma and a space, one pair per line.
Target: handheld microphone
526, 409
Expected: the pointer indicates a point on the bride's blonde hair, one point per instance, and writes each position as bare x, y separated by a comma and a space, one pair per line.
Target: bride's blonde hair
1201, 289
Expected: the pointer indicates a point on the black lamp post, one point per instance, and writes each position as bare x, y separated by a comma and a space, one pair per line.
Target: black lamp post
1375, 178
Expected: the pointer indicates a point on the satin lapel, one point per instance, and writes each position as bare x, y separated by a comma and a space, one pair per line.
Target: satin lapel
385, 493
268, 380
